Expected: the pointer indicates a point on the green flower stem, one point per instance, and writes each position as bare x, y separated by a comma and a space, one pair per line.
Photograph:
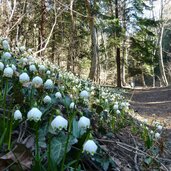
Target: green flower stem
4, 104
10, 133
66, 145
37, 142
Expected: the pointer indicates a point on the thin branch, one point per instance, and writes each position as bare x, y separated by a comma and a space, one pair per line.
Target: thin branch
50, 34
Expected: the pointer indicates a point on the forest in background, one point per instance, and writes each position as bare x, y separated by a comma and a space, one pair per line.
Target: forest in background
118, 42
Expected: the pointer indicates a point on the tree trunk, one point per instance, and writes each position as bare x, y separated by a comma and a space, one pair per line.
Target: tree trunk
161, 63
93, 40
41, 38
118, 58
143, 79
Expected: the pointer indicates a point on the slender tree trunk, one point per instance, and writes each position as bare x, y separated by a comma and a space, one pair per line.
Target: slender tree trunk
118, 58
41, 38
93, 40
143, 79
161, 63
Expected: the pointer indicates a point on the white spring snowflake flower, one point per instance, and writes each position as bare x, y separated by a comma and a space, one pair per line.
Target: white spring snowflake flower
24, 78
59, 123
72, 105
48, 72
47, 99
5, 44
30, 58
32, 68
24, 61
13, 67
116, 107
7, 55
159, 127
37, 82
29, 50
58, 95
118, 112
17, 115
42, 68
8, 72
1, 66
34, 114
84, 94
90, 147
48, 84
157, 135
22, 48
84, 122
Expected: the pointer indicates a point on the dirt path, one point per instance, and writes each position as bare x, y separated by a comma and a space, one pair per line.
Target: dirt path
153, 103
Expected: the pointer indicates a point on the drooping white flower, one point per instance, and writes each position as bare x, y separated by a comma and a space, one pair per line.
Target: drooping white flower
7, 55
30, 58
13, 67
116, 107
1, 66
22, 48
90, 147
58, 95
8, 72
48, 84
145, 121
24, 78
48, 72
84, 94
42, 68
47, 99
157, 135
159, 127
151, 132
72, 105
17, 115
24, 61
29, 50
118, 112
32, 68
84, 122
5, 45
37, 82
59, 123
34, 114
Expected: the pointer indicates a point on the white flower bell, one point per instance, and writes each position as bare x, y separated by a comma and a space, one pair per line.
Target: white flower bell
1, 66
84, 94
84, 122
34, 114
37, 82
72, 105
157, 135
7, 55
48, 84
47, 99
59, 123
17, 115
8, 72
116, 107
24, 78
32, 68
5, 44
58, 95
90, 147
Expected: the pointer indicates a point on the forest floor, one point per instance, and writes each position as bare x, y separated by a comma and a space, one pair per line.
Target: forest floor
154, 104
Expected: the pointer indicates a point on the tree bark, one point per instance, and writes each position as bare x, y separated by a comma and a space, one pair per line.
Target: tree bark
93, 40
118, 58
41, 38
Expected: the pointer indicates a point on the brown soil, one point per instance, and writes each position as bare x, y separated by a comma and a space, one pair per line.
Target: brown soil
153, 103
